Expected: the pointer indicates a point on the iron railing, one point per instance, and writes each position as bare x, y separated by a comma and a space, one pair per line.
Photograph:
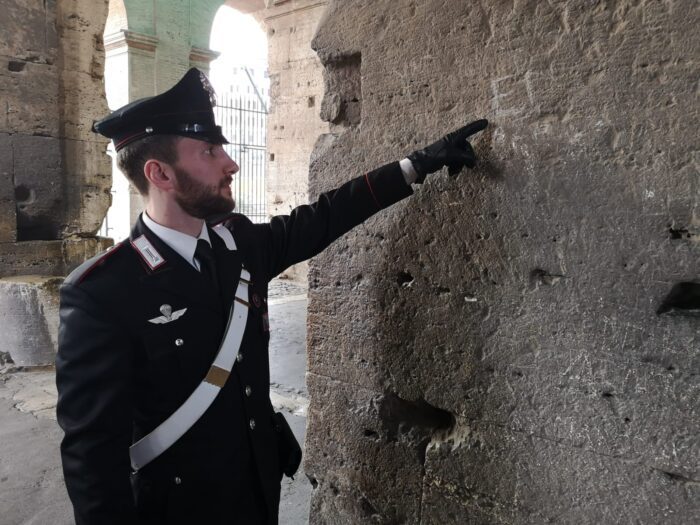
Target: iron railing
243, 121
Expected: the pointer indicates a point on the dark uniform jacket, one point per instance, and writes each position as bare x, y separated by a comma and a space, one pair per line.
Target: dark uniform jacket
119, 376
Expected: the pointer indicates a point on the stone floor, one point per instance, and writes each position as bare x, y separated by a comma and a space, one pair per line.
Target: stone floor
31, 484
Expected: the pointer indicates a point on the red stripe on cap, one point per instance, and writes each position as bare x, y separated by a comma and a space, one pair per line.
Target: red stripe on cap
372, 191
128, 139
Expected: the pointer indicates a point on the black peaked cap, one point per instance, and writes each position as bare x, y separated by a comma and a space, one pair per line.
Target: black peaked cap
186, 109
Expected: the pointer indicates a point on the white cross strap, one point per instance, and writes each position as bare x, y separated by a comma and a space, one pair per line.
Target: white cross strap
169, 431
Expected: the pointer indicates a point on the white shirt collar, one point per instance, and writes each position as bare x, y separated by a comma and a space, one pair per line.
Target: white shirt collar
183, 244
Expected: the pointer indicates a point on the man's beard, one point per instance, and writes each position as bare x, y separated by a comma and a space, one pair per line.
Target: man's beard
198, 199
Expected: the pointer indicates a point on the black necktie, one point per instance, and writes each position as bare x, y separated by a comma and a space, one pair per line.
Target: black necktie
207, 265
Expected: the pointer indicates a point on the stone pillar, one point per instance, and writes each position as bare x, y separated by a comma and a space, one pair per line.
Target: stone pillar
55, 178
488, 351
296, 91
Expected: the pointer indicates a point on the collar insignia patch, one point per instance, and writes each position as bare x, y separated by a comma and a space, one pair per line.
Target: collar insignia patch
148, 252
168, 315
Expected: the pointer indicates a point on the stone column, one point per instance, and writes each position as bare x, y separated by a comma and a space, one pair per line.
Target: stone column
296, 91
55, 178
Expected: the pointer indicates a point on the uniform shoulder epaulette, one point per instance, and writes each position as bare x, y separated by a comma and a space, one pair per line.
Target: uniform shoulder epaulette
78, 275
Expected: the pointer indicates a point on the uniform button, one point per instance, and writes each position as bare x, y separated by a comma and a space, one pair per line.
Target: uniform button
248, 391
252, 424
179, 342
239, 357
177, 480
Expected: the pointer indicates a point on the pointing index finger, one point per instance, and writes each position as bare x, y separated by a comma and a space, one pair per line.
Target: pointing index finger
470, 129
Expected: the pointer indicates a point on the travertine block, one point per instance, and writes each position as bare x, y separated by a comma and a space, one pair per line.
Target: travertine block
39, 187
30, 98
519, 297
8, 214
28, 31
29, 319
54, 258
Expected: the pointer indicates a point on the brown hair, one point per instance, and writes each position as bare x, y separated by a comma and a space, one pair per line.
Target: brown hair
133, 157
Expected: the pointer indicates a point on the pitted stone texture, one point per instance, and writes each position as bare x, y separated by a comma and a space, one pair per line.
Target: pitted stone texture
51, 68
55, 258
296, 88
584, 487
520, 296
349, 434
29, 317
39, 181
8, 212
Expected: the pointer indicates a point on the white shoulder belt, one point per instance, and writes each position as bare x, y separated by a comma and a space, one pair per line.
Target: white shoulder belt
169, 431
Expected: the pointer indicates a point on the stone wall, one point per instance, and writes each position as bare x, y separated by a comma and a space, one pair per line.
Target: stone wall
55, 178
296, 91
488, 351
54, 174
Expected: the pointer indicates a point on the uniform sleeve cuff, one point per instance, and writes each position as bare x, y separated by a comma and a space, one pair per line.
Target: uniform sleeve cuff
409, 172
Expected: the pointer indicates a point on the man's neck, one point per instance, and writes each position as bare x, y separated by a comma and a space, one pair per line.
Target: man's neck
176, 220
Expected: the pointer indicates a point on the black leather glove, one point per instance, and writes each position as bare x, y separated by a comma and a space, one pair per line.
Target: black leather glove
453, 151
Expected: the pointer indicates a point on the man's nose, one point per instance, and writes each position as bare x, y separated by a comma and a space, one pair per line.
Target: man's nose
231, 166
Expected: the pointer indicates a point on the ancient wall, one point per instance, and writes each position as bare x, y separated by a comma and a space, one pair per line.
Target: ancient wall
488, 351
296, 91
54, 175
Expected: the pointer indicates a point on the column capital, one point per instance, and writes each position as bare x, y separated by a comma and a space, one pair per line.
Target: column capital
202, 56
125, 38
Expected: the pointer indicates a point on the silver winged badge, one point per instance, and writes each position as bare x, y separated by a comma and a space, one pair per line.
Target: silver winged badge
168, 315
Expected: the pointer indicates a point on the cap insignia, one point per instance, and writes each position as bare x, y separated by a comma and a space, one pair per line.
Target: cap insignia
208, 88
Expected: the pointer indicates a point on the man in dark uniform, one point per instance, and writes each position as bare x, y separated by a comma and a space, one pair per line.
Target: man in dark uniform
140, 342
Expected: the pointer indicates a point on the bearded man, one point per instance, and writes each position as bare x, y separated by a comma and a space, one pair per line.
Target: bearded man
162, 367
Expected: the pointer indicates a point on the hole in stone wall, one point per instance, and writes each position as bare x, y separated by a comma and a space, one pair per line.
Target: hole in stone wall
23, 195
404, 279
678, 233
313, 481
272, 157
15, 66
367, 508
311, 101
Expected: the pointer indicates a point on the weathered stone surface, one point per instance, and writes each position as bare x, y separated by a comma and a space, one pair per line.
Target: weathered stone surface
8, 214
520, 298
53, 258
354, 433
30, 98
39, 187
51, 68
296, 89
88, 184
522, 486
28, 30
29, 319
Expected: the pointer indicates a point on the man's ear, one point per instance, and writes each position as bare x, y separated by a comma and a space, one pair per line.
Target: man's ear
159, 174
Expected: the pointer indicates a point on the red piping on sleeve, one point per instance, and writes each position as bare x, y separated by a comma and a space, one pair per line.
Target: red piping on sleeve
372, 191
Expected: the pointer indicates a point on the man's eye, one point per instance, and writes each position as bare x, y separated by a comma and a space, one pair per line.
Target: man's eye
210, 150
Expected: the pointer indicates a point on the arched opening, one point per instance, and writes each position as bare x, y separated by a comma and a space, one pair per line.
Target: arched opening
240, 78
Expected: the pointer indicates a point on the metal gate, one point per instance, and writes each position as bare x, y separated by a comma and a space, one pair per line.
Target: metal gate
243, 121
